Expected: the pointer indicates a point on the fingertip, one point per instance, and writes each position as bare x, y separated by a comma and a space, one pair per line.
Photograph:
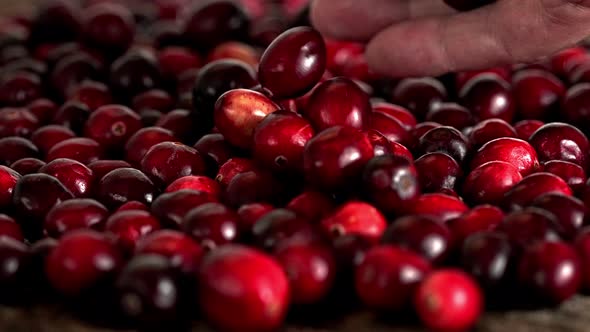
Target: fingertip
321, 18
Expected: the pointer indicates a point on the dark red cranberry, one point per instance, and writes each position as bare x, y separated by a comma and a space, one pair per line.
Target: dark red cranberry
43, 109
533, 186
537, 93
48, 136
74, 214
235, 50
153, 99
565, 61
92, 94
336, 157
450, 114
480, 218
340, 52
112, 125
81, 260
84, 150
150, 117
350, 252
392, 129
73, 69
143, 140
168, 161
259, 290
312, 206
19, 88
573, 174
196, 182
232, 168
26, 64
281, 225
489, 130
405, 118
488, 96
171, 208
215, 149
327, 106
526, 128
490, 258
511, 150
212, 224
125, 184
9, 228
181, 251
175, 60
17, 122
249, 214
8, 180
133, 73
254, 186
108, 26
447, 140
438, 171
570, 212
130, 226
551, 270
419, 94
440, 206
279, 141
448, 300
74, 175
582, 245
528, 226
72, 115
560, 141
421, 129
15, 268
56, 21
180, 122
574, 109
15, 148
421, 234
101, 168
133, 206
489, 182
355, 218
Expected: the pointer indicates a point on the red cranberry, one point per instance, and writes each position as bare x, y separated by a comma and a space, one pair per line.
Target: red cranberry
489, 130
445, 139
551, 270
560, 141
392, 129
533, 186
537, 93
101, 168
312, 206
573, 174
211, 224
466, 5
448, 300
133, 73
175, 60
92, 94
132, 206
440, 206
143, 140
526, 128
340, 52
327, 107
125, 184
461, 78
381, 279
153, 99
196, 182
171, 208
76, 177
574, 109
71, 70
235, 50
421, 129
490, 258
130, 226
488, 96
8, 180
262, 295
43, 109
350, 252
279, 141
72, 115
450, 114
563, 62
168, 161
401, 114
84, 150
215, 149
112, 125
480, 218
238, 112
19, 88
180, 250
180, 122
9, 228
489, 182
15, 268
232, 168
279, 226
529, 226
17, 122
419, 94
511, 150
336, 156
355, 218
108, 26
74, 214
14, 148
249, 214
255, 186
437, 171
48, 136
570, 212
582, 245
80, 261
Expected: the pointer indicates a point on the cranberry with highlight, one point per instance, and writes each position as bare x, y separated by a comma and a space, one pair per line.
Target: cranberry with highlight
10, 228
143, 140
569, 211
447, 140
181, 251
212, 225
19, 88
526, 128
489, 182
128, 227
450, 114
17, 122
14, 148
279, 226
533, 186
8, 180
437, 171
488, 96
528, 226
27, 166
419, 94
75, 214
168, 161
511, 150
133, 73
171, 208
84, 150
440, 206
537, 94
560, 141
112, 125
123, 185
78, 178
573, 174
355, 218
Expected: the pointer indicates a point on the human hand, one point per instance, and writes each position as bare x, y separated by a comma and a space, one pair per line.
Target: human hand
427, 37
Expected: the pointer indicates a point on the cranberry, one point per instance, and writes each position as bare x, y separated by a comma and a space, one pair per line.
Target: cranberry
488, 96
17, 122
130, 226
281, 225
133, 73
168, 161
232, 168
73, 69
448, 300
133, 206
249, 214
529, 226
196, 182
43, 109
84, 150
419, 94
262, 287
92, 94
48, 136
56, 21
8, 180
312, 206
76, 177
440, 206
143, 140
461, 78
215, 149
28, 65
112, 125
9, 228
14, 148
336, 156
489, 182
465, 5
533, 186
480, 218
211, 224
574, 109
560, 141
19, 88
80, 261
108, 26
526, 128
238, 112
569, 211
489, 130
573, 174
392, 129
255, 186
327, 107
511, 150
355, 218
582, 245
438, 171
176, 60
100, 168
405, 118
74, 214
340, 52
180, 122
72, 115
181, 251
445, 139
125, 184
551, 270
279, 141
565, 61
537, 93
450, 114
235, 50
490, 258
171, 208
15, 268
154, 100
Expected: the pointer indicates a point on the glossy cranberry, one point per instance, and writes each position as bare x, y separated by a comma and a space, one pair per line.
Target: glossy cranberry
143, 140
573, 174
17, 122
212, 224
392, 129
101, 168
72, 115
235, 50
421, 129
570, 212
440, 206
537, 93
180, 122
72, 70
56, 21
196, 182
340, 52
574, 109
249, 214
14, 148
564, 62
84, 150
336, 156
327, 107
479, 219
133, 206
81, 260
8, 180
405, 118
75, 176
74, 214
511, 150
125, 184
489, 182
9, 228
19, 88
108, 26
488, 96
448, 300
232, 168
168, 161
419, 94
43, 109
355, 218
560, 141
450, 114
255, 186
533, 186
15, 263
180, 250
445, 139
312, 205
215, 149
489, 130
438, 171
262, 295
279, 226
48, 136
526, 128
171, 208
490, 258
92, 94
528, 226
133, 73
112, 125
551, 270
130, 226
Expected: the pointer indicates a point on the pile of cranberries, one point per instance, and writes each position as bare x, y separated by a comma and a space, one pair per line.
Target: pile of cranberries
164, 161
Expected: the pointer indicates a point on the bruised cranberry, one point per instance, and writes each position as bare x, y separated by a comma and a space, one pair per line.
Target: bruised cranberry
537, 93
279, 141
338, 102
560, 141
438, 171
108, 26
74, 175
74, 214
511, 150
336, 156
529, 226
143, 140
171, 208
488, 96
447, 140
573, 174
92, 94
181, 251
440, 206
125, 184
84, 150
533, 186
211, 224
489, 130
8, 180
9, 228
573, 109
19, 88
43, 109
73, 69
526, 128
355, 218
72, 115
112, 125
312, 206
419, 95
262, 287
489, 182
570, 212
196, 182
479, 219
168, 161
232, 168
130, 226
450, 114
17, 122
14, 148
48, 136
133, 73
